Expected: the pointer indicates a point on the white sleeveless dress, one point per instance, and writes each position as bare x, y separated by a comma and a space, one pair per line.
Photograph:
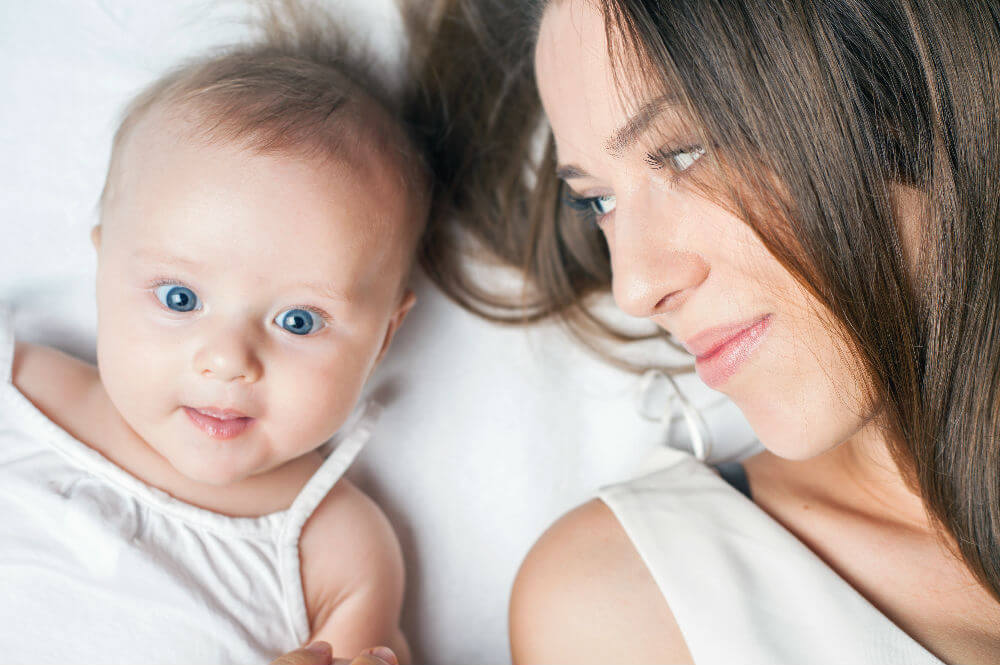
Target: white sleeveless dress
742, 588
98, 567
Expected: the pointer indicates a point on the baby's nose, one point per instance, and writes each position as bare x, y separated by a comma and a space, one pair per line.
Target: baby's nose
228, 358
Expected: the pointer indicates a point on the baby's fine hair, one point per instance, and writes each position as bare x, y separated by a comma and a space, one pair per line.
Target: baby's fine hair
302, 88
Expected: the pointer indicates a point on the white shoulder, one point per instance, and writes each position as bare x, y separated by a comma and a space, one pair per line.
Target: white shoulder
352, 573
583, 595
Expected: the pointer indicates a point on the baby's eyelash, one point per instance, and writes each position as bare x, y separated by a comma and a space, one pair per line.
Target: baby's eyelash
314, 310
163, 281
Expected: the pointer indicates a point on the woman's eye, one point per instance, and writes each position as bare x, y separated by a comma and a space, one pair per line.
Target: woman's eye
678, 160
597, 206
299, 321
177, 298
602, 205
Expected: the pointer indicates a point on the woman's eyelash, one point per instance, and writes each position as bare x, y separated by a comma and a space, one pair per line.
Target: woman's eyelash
591, 207
595, 208
679, 159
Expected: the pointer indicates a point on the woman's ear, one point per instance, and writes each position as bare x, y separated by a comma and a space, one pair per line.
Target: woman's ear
406, 303
95, 236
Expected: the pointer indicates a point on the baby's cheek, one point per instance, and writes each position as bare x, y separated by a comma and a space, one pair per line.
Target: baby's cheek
312, 404
139, 367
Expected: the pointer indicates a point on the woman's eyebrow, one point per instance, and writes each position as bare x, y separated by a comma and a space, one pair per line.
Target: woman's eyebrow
621, 139
570, 171
625, 136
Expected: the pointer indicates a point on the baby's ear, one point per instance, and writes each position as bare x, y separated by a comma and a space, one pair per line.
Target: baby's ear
405, 305
95, 236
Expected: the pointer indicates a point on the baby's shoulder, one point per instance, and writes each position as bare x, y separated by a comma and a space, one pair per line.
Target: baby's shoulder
346, 510
55, 382
348, 549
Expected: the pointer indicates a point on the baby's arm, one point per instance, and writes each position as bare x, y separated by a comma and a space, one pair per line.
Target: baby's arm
62, 387
352, 574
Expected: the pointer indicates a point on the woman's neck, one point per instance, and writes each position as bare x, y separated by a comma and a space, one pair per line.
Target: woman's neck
870, 479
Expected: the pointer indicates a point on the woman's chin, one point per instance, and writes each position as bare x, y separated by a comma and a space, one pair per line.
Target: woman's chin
793, 438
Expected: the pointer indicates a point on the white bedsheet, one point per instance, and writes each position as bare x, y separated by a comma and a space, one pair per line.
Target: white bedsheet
489, 433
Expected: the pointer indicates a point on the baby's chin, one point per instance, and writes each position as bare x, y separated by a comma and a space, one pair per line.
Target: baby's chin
211, 464
213, 474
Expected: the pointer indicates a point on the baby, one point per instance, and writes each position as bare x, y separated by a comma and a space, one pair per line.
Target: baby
172, 505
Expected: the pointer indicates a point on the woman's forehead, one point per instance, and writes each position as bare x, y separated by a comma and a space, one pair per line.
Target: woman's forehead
578, 84
572, 28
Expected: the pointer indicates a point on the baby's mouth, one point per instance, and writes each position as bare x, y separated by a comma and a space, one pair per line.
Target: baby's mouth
221, 424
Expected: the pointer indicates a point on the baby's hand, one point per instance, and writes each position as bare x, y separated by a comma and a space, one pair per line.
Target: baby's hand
320, 653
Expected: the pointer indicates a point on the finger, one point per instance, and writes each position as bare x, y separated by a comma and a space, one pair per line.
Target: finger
316, 653
376, 656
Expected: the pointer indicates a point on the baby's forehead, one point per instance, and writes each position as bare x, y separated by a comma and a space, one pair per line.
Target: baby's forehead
357, 143
173, 161
173, 136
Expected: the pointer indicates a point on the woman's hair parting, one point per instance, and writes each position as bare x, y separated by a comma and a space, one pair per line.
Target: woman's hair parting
304, 86
816, 114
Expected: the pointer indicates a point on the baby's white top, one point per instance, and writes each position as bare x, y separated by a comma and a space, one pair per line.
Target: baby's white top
98, 567
741, 587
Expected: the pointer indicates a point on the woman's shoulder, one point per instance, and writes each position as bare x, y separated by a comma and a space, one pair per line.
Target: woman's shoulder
592, 587
585, 595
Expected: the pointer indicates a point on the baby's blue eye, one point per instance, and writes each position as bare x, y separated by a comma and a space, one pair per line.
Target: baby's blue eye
299, 321
178, 298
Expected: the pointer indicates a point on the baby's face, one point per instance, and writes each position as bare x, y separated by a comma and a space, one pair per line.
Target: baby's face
244, 299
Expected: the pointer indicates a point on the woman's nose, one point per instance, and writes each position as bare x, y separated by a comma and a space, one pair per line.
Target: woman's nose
228, 355
652, 270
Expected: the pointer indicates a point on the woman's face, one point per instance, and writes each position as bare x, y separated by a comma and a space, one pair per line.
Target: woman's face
683, 261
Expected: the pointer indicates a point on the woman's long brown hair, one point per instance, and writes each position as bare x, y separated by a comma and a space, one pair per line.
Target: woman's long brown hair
816, 113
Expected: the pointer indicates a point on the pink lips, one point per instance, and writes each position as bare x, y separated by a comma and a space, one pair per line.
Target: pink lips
719, 352
219, 424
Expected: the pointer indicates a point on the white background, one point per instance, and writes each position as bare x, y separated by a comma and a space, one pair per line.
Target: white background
489, 434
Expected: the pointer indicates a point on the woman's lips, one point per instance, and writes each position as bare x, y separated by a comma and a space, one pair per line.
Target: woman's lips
720, 352
219, 424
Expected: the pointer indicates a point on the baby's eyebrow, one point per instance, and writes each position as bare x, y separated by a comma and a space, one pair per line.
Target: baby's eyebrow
167, 259
327, 290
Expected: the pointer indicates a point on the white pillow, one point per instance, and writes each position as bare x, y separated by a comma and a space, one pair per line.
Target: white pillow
489, 433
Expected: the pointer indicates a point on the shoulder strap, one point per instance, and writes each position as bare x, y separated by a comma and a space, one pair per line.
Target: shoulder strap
347, 443
6, 341
722, 563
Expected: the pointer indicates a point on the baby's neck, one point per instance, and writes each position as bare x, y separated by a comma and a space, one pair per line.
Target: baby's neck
83, 409
257, 495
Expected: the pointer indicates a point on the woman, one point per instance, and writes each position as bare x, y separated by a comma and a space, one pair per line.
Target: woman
805, 195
